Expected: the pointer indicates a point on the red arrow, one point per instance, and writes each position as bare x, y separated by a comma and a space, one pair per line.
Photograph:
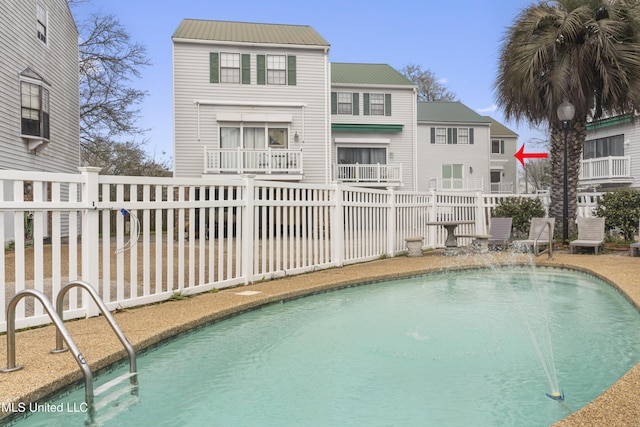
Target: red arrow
520, 155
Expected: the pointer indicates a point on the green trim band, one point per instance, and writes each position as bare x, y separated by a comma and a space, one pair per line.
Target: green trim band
611, 121
351, 127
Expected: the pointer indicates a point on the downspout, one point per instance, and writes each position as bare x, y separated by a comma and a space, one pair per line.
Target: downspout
415, 139
327, 113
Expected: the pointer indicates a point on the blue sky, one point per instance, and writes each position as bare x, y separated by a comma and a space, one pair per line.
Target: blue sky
458, 41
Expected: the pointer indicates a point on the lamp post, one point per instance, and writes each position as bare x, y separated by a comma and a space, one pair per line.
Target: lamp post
565, 115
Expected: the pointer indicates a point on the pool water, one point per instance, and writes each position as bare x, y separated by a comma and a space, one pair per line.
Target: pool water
455, 349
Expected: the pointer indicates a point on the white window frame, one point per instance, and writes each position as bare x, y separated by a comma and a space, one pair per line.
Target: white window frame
345, 103
500, 146
230, 70
278, 132
42, 110
441, 136
276, 69
42, 23
376, 104
463, 136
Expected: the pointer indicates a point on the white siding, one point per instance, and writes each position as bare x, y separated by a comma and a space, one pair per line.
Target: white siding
57, 63
191, 84
431, 157
401, 146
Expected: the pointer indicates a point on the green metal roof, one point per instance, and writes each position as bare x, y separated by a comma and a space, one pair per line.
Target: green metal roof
448, 112
498, 129
367, 74
247, 32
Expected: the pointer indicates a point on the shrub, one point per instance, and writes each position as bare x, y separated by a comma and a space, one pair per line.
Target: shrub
621, 210
521, 210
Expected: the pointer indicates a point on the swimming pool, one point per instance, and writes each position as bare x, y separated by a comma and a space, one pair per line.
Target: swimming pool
452, 349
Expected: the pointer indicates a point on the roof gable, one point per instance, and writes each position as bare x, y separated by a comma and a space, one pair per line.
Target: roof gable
247, 32
367, 74
498, 129
448, 112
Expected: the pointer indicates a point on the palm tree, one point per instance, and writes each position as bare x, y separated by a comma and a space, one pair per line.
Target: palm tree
584, 51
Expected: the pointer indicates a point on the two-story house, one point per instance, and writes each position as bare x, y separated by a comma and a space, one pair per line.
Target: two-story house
39, 91
453, 147
503, 168
251, 99
373, 126
611, 153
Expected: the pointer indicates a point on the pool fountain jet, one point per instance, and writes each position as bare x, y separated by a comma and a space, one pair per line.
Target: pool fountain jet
556, 395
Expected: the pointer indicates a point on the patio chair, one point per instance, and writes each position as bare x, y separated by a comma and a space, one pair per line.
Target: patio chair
500, 231
590, 234
538, 235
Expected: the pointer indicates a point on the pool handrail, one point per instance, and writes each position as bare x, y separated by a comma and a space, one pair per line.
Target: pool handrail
60, 328
107, 315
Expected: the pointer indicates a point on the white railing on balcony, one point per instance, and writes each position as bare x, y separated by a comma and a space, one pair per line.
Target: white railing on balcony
266, 161
606, 168
472, 184
369, 173
502, 187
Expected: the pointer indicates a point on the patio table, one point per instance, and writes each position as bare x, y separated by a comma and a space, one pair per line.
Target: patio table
450, 226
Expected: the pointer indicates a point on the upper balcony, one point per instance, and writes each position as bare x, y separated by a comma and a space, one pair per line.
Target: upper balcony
606, 170
370, 174
276, 163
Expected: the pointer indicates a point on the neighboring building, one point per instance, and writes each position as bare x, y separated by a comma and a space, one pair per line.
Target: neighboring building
373, 126
251, 98
503, 168
611, 154
39, 91
453, 147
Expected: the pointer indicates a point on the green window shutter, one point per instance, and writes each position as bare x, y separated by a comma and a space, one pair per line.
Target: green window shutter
470, 135
291, 70
214, 67
455, 135
449, 136
334, 103
433, 135
246, 69
387, 104
365, 104
356, 104
262, 69
502, 146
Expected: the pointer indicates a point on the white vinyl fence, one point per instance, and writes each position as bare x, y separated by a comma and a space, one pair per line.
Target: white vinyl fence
139, 240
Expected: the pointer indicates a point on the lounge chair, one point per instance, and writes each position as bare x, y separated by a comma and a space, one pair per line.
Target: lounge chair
538, 235
500, 231
590, 234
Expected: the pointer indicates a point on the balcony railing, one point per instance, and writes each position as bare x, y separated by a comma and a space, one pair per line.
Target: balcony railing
466, 184
603, 168
370, 173
238, 160
502, 187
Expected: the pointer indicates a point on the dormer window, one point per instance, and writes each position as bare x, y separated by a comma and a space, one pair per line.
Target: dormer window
41, 22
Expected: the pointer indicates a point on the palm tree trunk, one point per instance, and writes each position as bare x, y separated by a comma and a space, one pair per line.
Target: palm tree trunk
575, 140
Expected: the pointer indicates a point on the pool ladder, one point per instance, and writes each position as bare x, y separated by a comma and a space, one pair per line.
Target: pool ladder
62, 334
